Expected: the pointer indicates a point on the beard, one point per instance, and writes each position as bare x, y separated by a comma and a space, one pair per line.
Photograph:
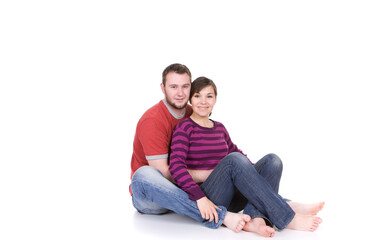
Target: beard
172, 104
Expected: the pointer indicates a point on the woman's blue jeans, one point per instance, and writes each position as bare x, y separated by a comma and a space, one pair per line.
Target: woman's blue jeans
234, 184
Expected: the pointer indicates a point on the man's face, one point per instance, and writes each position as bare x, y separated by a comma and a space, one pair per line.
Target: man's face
177, 89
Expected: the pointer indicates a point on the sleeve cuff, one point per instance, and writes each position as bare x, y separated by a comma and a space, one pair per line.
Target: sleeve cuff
196, 193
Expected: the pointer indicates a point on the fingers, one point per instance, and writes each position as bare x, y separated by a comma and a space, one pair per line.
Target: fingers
216, 215
210, 215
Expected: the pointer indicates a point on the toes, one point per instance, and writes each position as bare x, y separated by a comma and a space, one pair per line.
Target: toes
247, 218
318, 220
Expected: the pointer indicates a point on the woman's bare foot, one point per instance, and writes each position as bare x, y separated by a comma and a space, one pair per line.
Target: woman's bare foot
304, 223
236, 221
306, 209
259, 226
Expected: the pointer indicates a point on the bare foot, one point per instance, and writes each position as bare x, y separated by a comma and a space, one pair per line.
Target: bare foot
236, 221
304, 223
259, 226
306, 209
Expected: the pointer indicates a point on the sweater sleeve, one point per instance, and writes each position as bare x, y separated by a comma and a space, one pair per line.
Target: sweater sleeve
232, 146
178, 166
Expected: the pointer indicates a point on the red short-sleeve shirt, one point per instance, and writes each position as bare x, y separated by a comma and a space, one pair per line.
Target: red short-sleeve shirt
153, 134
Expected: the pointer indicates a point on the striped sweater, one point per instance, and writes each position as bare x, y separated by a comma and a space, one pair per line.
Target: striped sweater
197, 148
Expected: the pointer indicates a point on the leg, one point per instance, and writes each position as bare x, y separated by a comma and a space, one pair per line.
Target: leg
257, 223
154, 194
270, 167
236, 172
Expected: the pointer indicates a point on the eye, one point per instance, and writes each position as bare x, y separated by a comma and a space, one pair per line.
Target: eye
196, 96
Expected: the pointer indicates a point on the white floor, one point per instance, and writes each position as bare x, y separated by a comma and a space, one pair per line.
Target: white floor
336, 223
343, 216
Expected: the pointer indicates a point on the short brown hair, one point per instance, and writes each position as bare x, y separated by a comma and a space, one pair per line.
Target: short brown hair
177, 68
201, 82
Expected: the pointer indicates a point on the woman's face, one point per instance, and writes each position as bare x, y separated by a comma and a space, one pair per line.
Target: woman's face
203, 101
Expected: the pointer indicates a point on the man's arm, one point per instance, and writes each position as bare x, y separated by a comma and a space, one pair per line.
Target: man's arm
163, 166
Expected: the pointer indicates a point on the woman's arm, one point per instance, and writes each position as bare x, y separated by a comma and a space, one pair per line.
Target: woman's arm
183, 177
178, 165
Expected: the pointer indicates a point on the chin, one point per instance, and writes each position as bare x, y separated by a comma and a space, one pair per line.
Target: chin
180, 106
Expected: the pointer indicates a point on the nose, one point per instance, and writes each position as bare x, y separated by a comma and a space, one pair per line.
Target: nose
180, 92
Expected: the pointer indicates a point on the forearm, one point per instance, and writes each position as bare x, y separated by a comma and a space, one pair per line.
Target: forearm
199, 176
167, 175
163, 167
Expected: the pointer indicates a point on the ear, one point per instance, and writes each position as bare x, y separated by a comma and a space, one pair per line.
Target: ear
162, 87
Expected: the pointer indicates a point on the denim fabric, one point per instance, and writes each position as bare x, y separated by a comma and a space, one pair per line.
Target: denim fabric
154, 194
235, 174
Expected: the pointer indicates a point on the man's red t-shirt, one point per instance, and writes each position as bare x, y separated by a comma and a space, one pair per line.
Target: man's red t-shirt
153, 134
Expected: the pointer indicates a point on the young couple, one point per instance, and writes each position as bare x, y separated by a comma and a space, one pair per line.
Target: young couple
209, 179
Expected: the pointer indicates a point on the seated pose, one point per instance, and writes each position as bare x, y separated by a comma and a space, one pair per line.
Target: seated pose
151, 186
206, 164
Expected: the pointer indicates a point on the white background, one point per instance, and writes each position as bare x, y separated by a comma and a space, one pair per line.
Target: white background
293, 77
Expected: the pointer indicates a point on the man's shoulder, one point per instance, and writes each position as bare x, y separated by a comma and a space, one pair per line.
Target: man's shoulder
155, 112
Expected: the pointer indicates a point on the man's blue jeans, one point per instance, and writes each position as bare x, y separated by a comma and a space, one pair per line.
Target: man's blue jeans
228, 186
152, 193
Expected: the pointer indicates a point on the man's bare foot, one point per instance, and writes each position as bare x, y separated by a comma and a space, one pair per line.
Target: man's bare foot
236, 221
259, 226
304, 223
306, 209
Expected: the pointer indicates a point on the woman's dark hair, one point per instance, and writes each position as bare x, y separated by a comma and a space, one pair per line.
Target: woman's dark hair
201, 82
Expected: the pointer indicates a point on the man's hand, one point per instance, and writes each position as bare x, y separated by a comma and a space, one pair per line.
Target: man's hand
208, 209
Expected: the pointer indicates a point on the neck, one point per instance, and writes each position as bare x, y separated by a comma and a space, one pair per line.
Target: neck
177, 113
202, 121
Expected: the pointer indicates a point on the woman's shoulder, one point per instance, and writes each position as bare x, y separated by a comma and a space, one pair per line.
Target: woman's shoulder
184, 124
217, 124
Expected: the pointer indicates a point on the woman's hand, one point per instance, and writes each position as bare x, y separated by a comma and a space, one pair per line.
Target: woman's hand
208, 209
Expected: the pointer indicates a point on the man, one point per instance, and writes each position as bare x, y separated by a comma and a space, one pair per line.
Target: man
151, 187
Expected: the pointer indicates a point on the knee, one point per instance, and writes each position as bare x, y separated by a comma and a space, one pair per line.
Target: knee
274, 161
238, 159
145, 172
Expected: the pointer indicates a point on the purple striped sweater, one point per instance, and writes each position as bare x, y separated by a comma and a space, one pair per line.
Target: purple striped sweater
198, 148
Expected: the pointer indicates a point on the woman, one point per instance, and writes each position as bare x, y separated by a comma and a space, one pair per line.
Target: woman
204, 146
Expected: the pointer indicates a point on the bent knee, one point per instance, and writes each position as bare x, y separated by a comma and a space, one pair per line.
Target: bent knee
145, 172
237, 159
275, 161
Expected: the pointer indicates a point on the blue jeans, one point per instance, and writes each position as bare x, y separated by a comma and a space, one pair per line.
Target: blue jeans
236, 184
152, 193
